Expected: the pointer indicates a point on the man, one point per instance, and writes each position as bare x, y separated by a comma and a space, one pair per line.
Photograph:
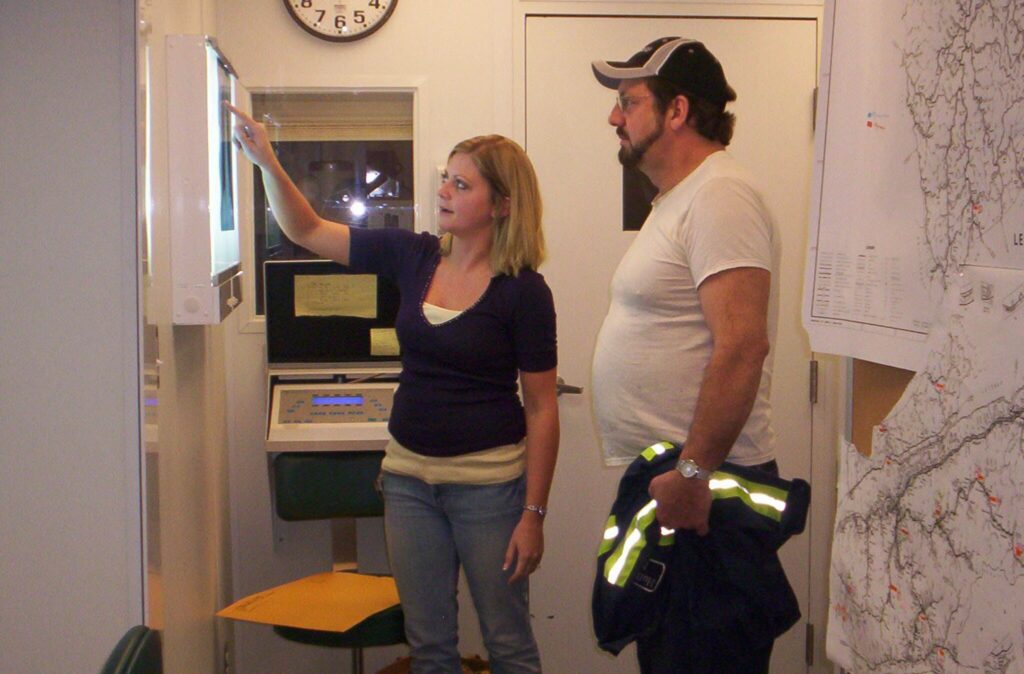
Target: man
683, 352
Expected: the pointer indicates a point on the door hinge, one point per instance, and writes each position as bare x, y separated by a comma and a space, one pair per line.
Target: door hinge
814, 382
809, 646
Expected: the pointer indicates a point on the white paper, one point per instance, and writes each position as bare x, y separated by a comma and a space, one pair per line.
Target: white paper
918, 168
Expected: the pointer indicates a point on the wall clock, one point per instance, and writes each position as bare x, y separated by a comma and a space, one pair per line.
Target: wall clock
340, 21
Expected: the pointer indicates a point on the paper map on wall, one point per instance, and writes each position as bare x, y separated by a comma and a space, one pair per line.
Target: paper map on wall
919, 167
928, 554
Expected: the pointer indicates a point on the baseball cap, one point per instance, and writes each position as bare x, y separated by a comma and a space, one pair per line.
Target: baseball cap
684, 62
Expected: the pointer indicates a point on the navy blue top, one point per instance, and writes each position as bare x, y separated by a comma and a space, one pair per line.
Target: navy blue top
458, 389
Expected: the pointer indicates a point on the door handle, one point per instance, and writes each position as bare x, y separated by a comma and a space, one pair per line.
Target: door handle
561, 387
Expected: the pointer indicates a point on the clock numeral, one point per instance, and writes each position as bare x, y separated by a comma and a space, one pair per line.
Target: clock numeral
306, 4
359, 16
374, 3
320, 15
339, 21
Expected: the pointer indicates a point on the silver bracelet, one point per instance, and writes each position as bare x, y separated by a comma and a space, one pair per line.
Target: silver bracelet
540, 510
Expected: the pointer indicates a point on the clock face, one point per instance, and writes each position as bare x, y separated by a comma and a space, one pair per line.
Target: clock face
340, 21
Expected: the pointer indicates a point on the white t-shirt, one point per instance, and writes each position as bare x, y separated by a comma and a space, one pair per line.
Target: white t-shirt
654, 344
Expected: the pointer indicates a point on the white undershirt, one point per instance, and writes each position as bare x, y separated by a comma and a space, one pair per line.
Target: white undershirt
436, 315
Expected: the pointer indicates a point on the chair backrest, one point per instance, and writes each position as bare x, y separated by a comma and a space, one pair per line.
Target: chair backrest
138, 652
325, 485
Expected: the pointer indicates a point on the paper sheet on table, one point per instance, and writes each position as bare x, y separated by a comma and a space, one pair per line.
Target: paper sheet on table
336, 295
330, 602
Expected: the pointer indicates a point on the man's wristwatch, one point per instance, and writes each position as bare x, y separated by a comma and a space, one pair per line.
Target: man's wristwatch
689, 468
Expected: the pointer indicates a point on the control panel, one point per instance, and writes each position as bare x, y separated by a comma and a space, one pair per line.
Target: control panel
329, 416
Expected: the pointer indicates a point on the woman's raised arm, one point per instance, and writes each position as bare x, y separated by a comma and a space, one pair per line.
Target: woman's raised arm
297, 218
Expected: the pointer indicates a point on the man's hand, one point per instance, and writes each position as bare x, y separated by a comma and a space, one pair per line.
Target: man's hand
683, 503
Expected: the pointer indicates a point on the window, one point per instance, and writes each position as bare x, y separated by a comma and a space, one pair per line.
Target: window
351, 155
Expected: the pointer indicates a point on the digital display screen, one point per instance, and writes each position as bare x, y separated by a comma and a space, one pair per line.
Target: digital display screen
337, 400
227, 173
221, 159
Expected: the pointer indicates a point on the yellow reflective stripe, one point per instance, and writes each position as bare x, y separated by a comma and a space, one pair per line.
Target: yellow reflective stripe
656, 450
619, 566
611, 532
616, 563
763, 499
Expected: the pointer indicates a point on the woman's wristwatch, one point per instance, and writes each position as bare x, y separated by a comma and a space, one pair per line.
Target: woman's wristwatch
539, 509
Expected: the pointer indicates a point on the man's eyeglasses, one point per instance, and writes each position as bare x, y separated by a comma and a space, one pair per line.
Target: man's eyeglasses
624, 103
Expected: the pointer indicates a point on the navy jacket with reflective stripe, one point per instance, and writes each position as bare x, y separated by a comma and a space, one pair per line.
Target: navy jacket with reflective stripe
734, 584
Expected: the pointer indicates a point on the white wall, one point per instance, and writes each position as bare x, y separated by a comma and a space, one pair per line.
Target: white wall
70, 540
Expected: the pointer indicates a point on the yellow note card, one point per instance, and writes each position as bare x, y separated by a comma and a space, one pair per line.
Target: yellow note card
336, 295
330, 602
384, 342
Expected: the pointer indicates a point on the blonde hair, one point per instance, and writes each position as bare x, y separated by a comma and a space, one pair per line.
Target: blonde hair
518, 239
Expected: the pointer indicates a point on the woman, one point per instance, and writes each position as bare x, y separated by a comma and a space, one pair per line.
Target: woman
467, 472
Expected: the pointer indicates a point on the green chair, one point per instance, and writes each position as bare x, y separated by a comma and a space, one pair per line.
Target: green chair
327, 485
138, 652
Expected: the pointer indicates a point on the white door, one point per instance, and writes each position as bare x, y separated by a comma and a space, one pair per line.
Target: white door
771, 64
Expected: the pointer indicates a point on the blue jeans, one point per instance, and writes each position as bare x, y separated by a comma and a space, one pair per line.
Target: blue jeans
431, 530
